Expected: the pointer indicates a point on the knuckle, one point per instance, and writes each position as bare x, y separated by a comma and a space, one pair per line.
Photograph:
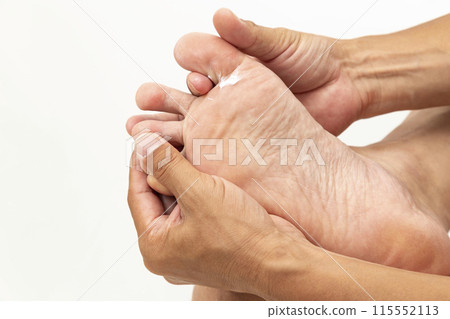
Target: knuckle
163, 171
288, 37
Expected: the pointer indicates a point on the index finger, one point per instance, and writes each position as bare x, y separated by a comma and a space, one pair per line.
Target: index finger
145, 206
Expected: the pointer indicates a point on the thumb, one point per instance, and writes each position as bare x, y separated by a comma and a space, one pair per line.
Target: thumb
159, 159
260, 42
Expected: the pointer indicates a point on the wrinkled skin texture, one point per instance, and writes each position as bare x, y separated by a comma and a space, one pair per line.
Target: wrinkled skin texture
314, 68
221, 239
352, 205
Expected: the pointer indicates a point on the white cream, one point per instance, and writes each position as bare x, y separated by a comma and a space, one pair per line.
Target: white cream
231, 79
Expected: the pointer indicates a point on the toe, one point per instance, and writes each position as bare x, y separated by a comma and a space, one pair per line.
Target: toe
132, 121
156, 97
168, 129
198, 84
208, 55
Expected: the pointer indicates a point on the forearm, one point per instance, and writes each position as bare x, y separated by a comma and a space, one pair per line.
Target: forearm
309, 273
409, 69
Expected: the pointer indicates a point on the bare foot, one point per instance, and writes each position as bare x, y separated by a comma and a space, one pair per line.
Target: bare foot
313, 67
416, 151
350, 205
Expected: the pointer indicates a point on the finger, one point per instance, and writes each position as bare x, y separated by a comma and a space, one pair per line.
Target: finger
171, 129
169, 203
208, 55
155, 97
144, 204
198, 84
261, 42
132, 121
169, 167
157, 186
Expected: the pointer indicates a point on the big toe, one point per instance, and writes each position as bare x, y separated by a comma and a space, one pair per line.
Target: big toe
208, 55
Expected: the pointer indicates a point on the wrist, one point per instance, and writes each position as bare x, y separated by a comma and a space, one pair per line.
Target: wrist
298, 270
379, 76
393, 72
286, 270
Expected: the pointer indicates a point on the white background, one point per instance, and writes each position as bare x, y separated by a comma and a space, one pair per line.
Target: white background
66, 90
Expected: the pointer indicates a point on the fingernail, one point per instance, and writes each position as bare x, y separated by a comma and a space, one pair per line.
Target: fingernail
148, 143
191, 86
145, 146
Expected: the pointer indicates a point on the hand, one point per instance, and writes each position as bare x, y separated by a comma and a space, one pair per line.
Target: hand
313, 67
319, 199
219, 236
216, 235
342, 81
418, 145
